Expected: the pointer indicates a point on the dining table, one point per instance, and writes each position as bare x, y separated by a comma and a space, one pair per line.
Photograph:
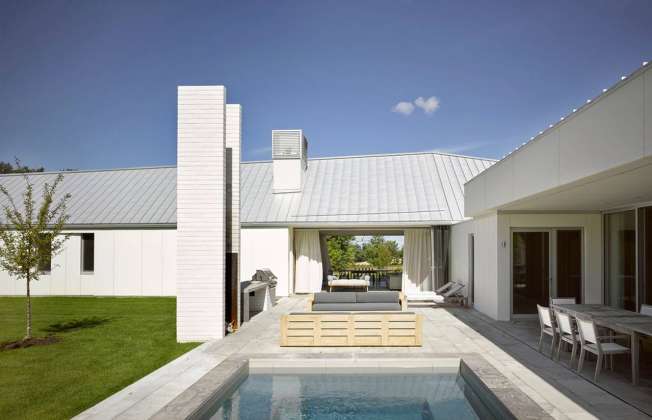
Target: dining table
620, 320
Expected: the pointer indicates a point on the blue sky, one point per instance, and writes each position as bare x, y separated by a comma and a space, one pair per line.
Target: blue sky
92, 84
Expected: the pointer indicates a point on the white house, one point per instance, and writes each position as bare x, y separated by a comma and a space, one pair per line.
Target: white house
567, 214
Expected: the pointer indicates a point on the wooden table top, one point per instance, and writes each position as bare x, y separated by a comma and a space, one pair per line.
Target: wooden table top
614, 318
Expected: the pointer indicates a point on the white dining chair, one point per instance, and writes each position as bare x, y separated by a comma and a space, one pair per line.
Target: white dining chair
566, 334
563, 301
547, 328
646, 310
598, 345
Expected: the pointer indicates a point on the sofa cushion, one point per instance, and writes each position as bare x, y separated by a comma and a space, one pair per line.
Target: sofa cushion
377, 297
352, 307
337, 297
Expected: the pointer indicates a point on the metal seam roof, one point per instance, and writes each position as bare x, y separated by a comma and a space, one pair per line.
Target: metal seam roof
374, 189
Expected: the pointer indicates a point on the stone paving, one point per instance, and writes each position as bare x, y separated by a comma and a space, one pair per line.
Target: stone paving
449, 331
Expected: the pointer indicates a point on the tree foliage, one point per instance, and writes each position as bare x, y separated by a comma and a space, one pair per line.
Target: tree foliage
341, 251
31, 235
381, 253
17, 168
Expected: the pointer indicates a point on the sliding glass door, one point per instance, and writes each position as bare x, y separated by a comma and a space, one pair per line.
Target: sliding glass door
569, 264
645, 252
545, 263
620, 256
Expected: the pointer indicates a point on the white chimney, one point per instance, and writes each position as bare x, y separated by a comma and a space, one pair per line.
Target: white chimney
290, 160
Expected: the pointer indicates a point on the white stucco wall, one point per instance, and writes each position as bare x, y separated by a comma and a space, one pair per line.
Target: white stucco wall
458, 253
267, 248
134, 262
492, 263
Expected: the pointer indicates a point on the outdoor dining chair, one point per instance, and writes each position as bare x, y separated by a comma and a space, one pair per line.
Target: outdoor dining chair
566, 334
591, 342
646, 310
547, 328
563, 301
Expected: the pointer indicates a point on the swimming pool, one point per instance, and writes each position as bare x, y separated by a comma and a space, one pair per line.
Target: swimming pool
359, 387
342, 396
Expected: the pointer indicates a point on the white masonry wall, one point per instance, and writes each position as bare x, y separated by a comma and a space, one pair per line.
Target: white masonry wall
233, 144
200, 212
128, 262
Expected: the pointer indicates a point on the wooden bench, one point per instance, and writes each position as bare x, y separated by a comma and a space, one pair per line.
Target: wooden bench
344, 329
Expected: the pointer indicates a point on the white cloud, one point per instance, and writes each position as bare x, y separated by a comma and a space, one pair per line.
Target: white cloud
405, 108
428, 105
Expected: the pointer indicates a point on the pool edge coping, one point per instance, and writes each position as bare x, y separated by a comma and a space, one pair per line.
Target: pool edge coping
478, 373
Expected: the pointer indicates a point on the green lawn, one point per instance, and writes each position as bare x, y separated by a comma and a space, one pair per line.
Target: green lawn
106, 344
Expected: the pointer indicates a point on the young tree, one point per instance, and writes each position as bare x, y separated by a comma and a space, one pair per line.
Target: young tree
29, 237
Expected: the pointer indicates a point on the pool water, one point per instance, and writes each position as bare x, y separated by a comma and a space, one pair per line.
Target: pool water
333, 396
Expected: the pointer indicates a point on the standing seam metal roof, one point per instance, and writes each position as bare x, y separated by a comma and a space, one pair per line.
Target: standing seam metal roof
410, 188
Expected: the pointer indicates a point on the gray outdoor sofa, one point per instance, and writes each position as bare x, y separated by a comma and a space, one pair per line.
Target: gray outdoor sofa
357, 301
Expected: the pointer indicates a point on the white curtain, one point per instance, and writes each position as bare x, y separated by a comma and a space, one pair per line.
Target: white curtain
417, 261
308, 267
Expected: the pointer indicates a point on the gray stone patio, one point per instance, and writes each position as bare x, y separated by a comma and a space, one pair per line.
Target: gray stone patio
509, 347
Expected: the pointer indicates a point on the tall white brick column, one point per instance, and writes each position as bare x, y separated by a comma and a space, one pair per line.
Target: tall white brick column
200, 212
233, 155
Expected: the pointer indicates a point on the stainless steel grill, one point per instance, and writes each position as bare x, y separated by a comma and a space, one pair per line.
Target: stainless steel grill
259, 293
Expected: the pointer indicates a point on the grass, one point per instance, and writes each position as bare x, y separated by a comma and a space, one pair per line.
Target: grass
106, 344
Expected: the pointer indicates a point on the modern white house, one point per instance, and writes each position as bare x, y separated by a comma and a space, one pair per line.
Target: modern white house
567, 214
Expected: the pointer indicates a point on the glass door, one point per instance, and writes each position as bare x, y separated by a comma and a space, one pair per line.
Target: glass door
545, 263
620, 253
568, 272
530, 271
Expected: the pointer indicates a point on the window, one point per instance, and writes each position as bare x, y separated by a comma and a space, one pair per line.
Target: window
88, 252
45, 265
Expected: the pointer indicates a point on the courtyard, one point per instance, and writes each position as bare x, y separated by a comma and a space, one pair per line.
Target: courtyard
448, 331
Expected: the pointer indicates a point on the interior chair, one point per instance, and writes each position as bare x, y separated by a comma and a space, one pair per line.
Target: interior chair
547, 328
601, 346
566, 334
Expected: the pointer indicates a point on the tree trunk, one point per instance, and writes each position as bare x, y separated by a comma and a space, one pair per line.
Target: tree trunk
29, 311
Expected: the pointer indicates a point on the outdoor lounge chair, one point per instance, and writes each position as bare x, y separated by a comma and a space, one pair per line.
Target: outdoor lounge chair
445, 287
598, 345
451, 292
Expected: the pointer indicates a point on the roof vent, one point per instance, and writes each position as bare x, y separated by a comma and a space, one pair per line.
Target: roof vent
290, 159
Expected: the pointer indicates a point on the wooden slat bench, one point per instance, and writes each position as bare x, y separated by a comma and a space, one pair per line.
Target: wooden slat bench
344, 329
